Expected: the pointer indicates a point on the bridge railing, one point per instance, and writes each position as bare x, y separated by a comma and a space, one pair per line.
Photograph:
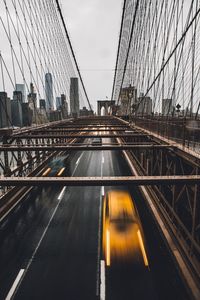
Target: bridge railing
185, 131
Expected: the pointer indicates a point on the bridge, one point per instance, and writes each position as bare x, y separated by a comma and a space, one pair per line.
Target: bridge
59, 166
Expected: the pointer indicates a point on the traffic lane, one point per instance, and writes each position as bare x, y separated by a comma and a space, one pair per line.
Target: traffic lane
20, 232
88, 164
65, 265
113, 161
129, 280
162, 281
129, 283
122, 281
114, 164
22, 229
164, 273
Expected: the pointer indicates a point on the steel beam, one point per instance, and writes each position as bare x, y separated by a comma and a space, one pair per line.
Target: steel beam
100, 181
5, 132
68, 136
88, 147
98, 126
62, 130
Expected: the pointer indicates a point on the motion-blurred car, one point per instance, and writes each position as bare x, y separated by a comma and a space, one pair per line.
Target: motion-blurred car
56, 167
123, 239
96, 141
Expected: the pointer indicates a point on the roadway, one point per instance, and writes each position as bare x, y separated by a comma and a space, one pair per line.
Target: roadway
51, 244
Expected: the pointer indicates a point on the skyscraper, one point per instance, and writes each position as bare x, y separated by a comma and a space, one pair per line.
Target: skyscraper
16, 109
32, 101
5, 110
58, 102
64, 106
21, 88
74, 97
167, 107
144, 106
27, 114
49, 91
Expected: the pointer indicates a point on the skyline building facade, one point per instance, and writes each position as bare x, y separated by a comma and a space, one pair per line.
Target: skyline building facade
5, 110
27, 114
167, 107
58, 102
16, 109
21, 88
144, 107
49, 91
64, 106
74, 97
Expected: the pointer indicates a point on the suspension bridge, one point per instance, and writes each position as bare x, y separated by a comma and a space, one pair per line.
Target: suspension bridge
60, 160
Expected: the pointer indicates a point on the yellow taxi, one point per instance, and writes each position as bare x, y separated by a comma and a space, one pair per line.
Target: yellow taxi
123, 239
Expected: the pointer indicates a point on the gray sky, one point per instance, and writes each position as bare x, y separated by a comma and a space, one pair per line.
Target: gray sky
93, 27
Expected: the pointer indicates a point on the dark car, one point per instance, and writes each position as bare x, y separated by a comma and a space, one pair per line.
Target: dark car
97, 141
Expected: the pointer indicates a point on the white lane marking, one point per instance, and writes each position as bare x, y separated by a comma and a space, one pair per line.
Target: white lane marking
102, 164
103, 281
62, 193
78, 160
103, 160
99, 249
43, 235
103, 191
39, 243
77, 163
15, 284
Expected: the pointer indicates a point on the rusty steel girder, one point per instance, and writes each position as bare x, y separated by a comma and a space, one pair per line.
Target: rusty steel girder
100, 181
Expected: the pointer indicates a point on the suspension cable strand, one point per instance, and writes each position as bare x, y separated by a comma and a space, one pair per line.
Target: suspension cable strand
2, 73
72, 51
118, 50
129, 45
173, 51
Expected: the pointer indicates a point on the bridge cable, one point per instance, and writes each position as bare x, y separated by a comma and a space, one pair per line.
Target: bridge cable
72, 51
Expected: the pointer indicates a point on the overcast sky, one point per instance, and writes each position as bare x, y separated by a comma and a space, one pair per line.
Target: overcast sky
93, 27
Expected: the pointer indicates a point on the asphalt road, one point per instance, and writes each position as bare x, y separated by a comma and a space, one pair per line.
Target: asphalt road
51, 245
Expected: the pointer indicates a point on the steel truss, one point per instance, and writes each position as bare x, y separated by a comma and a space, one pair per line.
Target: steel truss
180, 204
